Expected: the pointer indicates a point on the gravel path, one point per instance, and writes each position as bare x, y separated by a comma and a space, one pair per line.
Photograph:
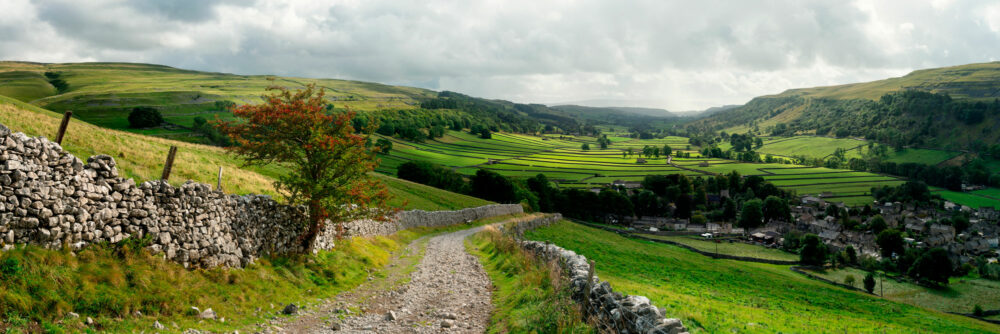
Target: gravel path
448, 292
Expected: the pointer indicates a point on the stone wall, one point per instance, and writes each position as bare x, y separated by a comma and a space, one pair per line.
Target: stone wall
51, 198
612, 311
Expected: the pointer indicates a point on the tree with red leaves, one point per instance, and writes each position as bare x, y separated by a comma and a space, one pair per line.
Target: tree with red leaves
327, 162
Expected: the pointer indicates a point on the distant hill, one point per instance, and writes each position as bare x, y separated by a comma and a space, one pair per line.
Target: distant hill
973, 81
706, 112
104, 93
655, 112
624, 116
950, 108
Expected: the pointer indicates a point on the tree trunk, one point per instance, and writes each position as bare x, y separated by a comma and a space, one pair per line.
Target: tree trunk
317, 220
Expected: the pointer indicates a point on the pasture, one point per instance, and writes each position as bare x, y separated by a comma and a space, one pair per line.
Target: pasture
814, 147
726, 247
562, 161
715, 296
141, 158
103, 94
960, 296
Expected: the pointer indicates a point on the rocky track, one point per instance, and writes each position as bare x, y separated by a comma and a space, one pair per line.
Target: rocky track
449, 292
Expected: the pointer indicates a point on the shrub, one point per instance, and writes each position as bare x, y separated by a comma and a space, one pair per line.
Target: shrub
869, 282
977, 311
144, 117
849, 280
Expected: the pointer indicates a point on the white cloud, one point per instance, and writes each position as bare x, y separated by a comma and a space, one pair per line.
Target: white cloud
673, 54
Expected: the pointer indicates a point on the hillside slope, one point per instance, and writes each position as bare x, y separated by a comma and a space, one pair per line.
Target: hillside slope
141, 158
949, 108
973, 81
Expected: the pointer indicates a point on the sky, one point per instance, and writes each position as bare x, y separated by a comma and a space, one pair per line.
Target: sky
677, 55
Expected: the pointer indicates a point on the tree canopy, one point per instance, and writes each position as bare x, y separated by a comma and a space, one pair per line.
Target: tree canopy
326, 159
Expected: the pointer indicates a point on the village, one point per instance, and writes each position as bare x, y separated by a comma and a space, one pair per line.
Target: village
920, 224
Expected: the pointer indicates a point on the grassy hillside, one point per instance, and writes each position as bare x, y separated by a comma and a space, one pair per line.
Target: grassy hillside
104, 93
25, 85
715, 296
141, 158
972, 81
951, 108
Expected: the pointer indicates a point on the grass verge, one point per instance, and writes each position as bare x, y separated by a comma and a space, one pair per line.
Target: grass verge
530, 295
124, 288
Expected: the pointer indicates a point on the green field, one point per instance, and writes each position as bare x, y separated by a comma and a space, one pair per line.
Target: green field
140, 158
715, 296
561, 159
810, 147
729, 248
973, 199
960, 296
814, 147
104, 93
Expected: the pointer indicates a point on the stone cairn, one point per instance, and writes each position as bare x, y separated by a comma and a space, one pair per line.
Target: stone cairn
52, 199
613, 311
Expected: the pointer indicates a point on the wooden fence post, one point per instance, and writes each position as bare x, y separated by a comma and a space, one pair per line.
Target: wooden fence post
170, 163
62, 126
218, 184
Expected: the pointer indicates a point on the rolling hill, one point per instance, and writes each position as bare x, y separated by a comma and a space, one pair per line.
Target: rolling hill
947, 108
104, 93
141, 157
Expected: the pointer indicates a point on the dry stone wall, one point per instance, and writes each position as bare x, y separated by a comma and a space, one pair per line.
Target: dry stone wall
50, 198
613, 312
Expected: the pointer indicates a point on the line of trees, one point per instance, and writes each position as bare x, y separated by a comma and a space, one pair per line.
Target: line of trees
752, 202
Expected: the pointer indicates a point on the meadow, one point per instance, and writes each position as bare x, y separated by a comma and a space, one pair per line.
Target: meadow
725, 247
714, 296
814, 147
960, 296
104, 93
565, 163
562, 160
141, 158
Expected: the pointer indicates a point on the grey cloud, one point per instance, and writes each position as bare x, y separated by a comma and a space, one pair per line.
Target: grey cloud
685, 54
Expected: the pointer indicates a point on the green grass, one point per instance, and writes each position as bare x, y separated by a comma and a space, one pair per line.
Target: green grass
921, 156
141, 158
972, 200
960, 296
25, 85
530, 296
111, 282
729, 248
814, 147
808, 146
111, 286
963, 81
559, 158
104, 93
717, 296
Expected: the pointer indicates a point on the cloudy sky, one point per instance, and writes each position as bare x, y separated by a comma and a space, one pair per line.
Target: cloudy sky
679, 55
